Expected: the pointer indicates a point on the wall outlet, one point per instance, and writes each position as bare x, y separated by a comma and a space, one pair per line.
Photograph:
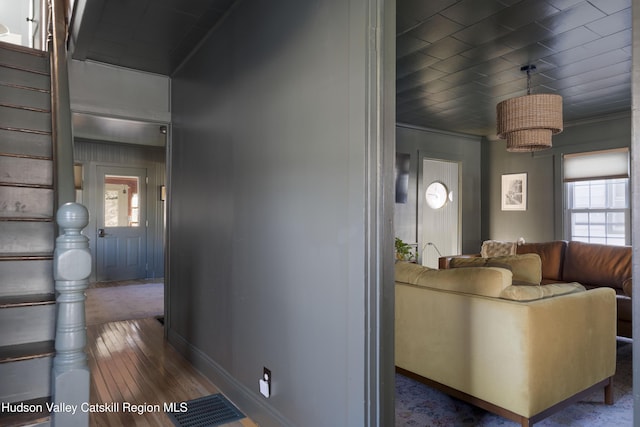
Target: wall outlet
265, 383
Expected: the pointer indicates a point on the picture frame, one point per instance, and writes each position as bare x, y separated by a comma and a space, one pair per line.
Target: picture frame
514, 192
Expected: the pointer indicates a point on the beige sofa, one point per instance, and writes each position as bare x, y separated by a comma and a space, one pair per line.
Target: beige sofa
523, 357
590, 264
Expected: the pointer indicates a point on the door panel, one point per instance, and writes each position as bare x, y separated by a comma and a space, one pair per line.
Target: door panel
121, 222
440, 217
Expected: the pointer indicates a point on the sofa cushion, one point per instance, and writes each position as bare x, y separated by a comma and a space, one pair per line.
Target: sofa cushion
597, 265
532, 293
483, 281
526, 268
552, 257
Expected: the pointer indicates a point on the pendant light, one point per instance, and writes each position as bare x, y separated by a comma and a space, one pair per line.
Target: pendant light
528, 122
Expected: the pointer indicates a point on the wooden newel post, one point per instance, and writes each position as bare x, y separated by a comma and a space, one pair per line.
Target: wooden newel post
71, 270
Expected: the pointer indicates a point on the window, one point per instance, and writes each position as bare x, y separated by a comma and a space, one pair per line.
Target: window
598, 211
597, 197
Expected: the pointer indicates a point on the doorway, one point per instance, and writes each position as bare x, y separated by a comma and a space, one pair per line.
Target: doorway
440, 205
121, 239
132, 242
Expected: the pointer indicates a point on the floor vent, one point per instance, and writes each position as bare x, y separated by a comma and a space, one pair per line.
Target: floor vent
206, 411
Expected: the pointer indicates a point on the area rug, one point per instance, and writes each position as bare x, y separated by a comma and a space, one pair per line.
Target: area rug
110, 304
420, 405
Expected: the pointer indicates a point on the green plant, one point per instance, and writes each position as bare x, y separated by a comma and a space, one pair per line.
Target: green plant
404, 251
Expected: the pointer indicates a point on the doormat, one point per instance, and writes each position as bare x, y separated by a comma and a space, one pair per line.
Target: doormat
206, 411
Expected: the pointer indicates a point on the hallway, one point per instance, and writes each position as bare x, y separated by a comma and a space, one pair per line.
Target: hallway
131, 362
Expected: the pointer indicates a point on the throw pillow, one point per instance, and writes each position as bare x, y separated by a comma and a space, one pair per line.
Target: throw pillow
526, 268
493, 248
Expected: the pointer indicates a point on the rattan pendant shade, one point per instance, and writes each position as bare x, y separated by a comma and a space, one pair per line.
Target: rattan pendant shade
528, 122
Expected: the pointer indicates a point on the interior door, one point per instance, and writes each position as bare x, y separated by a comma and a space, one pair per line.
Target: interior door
440, 201
121, 223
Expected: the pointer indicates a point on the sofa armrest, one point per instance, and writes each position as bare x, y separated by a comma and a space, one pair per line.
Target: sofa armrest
524, 357
627, 287
445, 261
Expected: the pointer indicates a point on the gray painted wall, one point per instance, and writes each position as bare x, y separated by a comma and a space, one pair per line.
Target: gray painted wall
107, 90
421, 143
269, 205
543, 219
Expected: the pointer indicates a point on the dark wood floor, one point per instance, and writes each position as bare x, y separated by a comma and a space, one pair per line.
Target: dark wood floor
131, 362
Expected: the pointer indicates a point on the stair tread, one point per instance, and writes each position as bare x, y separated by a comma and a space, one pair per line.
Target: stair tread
17, 419
25, 107
24, 49
24, 87
26, 256
27, 218
24, 185
25, 69
27, 300
39, 132
14, 353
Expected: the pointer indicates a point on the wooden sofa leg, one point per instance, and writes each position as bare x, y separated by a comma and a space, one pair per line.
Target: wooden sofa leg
608, 392
525, 422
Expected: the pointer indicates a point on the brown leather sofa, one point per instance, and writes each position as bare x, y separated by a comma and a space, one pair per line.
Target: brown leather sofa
592, 265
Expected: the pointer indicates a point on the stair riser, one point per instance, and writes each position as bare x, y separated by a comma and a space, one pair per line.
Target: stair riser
29, 61
21, 325
26, 237
14, 170
25, 143
17, 96
16, 118
25, 380
17, 202
24, 78
26, 277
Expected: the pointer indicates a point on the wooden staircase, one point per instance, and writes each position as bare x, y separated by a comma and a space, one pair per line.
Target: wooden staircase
27, 295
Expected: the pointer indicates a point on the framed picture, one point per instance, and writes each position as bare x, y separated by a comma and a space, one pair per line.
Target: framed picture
514, 192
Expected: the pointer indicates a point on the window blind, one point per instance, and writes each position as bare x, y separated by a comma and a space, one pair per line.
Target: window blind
605, 164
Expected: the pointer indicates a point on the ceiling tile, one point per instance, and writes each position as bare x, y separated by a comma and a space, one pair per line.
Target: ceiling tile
573, 17
407, 44
468, 12
611, 6
406, 83
482, 32
528, 55
528, 11
592, 75
435, 28
487, 51
427, 75
570, 39
564, 4
412, 63
590, 64
420, 10
612, 24
525, 36
446, 48
454, 64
